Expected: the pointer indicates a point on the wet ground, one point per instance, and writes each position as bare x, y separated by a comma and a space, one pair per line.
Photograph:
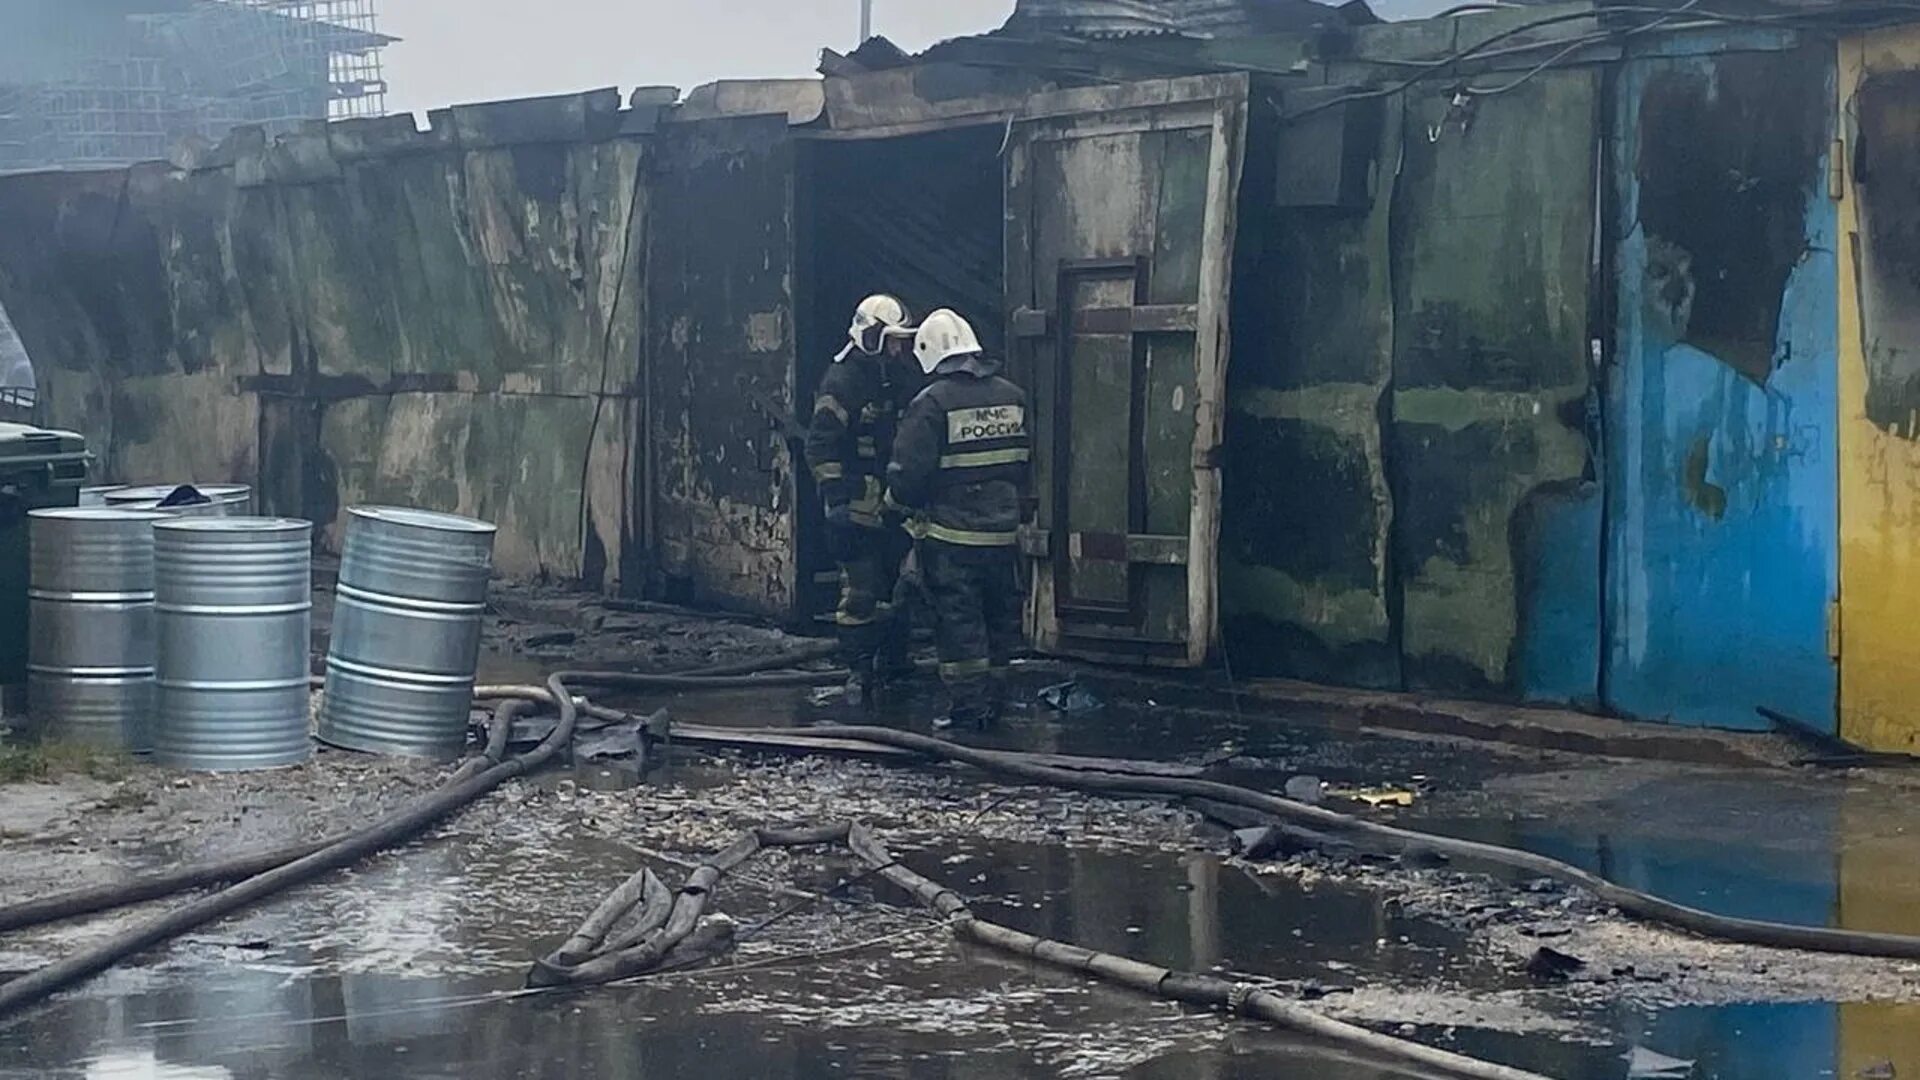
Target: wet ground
411, 964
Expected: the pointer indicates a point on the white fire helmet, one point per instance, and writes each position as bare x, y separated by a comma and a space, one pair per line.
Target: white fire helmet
878, 318
944, 335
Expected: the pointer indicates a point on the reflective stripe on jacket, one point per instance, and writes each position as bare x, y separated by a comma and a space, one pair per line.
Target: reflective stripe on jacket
855, 414
962, 460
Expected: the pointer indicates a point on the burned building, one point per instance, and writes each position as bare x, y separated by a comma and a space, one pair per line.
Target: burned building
1542, 353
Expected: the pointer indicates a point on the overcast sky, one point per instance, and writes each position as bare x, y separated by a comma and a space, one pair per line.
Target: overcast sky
478, 50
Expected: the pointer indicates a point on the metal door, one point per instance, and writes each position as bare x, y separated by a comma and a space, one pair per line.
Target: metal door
1120, 218
1722, 399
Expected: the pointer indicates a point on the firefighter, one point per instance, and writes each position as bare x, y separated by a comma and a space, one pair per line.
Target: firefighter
855, 414
960, 475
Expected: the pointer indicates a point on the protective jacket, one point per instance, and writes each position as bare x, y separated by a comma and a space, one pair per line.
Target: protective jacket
855, 416
962, 459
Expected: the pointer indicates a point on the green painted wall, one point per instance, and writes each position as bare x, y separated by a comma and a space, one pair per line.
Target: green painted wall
1406, 449
371, 314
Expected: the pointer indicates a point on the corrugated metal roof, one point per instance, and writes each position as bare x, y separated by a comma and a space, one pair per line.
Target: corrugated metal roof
1184, 18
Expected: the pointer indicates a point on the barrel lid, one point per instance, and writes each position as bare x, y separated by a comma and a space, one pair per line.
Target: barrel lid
97, 513
425, 519
231, 524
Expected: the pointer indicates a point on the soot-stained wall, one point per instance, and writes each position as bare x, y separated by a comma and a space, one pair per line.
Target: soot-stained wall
1410, 495
363, 314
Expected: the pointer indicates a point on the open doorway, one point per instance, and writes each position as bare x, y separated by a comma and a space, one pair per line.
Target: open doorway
918, 216
19, 390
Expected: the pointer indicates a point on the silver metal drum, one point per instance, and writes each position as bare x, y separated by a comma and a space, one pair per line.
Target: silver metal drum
90, 651
233, 615
406, 631
227, 500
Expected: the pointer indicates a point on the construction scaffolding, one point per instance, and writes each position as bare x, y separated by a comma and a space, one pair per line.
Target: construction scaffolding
306, 37
115, 87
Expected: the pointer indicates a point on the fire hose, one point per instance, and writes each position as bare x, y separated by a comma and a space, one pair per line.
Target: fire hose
264, 875
666, 932
1630, 901
512, 701
259, 876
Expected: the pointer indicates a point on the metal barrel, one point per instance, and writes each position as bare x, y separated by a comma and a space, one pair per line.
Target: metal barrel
227, 500
406, 631
233, 616
90, 650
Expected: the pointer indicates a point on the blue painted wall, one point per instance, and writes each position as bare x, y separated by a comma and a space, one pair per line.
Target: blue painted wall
1721, 421
1558, 563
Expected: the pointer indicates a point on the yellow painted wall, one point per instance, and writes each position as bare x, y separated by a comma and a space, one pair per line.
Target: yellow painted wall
1879, 890
1879, 482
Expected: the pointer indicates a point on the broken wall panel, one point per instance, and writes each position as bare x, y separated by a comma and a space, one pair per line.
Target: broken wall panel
1722, 398
720, 374
1487, 453
1879, 439
1307, 512
417, 322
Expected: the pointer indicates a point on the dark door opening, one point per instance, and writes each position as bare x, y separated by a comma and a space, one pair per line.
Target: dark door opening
18, 387
918, 216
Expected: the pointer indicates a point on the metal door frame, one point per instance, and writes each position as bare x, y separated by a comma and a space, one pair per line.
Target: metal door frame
1219, 104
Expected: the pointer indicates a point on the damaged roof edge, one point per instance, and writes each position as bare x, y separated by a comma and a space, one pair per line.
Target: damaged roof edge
313, 152
1110, 19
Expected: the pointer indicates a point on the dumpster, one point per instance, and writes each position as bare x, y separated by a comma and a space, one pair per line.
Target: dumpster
38, 468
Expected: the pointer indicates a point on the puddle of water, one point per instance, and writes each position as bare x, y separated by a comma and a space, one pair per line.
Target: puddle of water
1747, 843
1750, 843
1193, 912
377, 1004
1730, 1042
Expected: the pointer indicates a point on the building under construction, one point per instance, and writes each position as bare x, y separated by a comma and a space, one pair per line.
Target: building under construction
113, 82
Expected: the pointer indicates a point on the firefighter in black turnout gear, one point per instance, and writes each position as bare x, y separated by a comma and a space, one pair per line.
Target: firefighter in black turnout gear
960, 474
855, 414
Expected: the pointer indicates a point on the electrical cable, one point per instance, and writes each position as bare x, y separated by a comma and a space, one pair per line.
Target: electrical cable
1857, 19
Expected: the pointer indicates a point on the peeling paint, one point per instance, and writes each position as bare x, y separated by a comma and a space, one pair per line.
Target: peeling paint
1879, 344
721, 357
1721, 476
1490, 378
766, 331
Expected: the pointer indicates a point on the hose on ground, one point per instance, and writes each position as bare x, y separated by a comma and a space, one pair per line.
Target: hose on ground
1630, 901
697, 678
511, 702
261, 875
392, 829
663, 929
642, 681
666, 927
165, 883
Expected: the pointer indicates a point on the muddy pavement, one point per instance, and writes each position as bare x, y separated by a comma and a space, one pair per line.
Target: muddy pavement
411, 964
